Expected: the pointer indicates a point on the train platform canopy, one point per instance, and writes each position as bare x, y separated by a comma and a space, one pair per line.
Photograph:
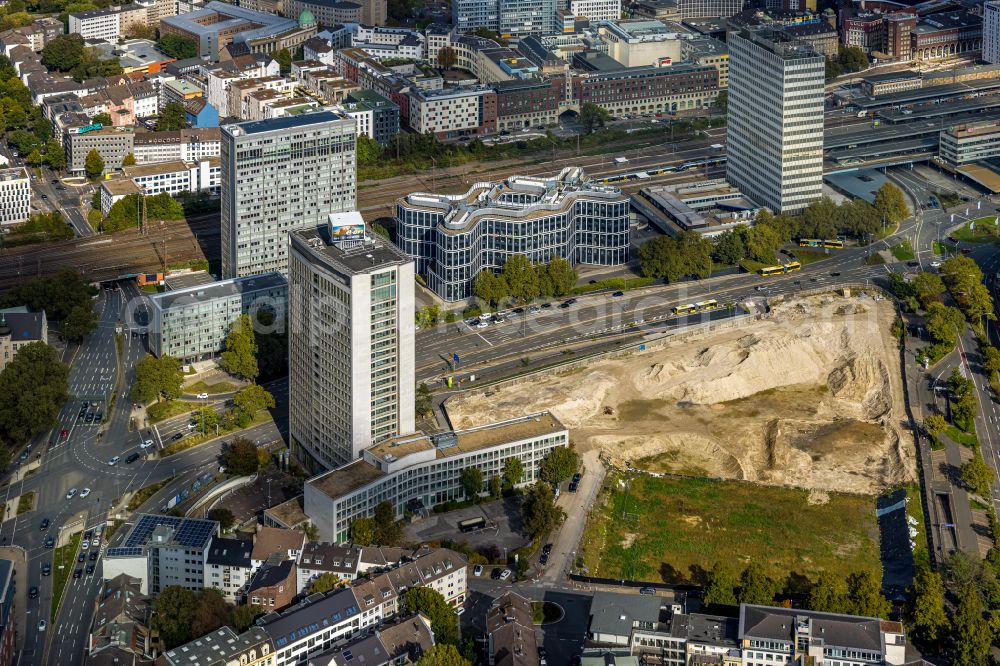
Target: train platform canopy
986, 174
944, 91
860, 184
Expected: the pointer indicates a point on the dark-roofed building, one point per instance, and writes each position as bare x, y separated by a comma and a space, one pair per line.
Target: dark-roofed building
614, 616
228, 567
327, 558
510, 632
782, 635
223, 647
402, 642
273, 586
19, 327
121, 622
269, 541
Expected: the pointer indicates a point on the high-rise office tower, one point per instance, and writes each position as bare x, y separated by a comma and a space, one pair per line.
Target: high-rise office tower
991, 31
775, 128
350, 342
278, 175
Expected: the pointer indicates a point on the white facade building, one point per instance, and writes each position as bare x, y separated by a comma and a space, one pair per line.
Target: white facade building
176, 176
597, 10
186, 145
351, 345
416, 472
15, 196
991, 31
775, 140
448, 109
104, 24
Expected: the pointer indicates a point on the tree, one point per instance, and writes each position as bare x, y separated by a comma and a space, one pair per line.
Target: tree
57, 294
991, 359
240, 457
172, 612
852, 59
977, 476
210, 613
672, 258
103, 118
756, 587
80, 321
729, 248
430, 602
35, 386
964, 280
128, 160
521, 278
34, 158
496, 486
593, 116
156, 378
368, 150
828, 595
722, 101
250, 400
890, 203
55, 155
538, 510
177, 47
244, 616
471, 479
284, 59
424, 405
935, 424
443, 654
363, 532
513, 471
224, 517
240, 357
928, 287
864, 595
446, 57
944, 324
488, 287
325, 583
388, 531
171, 117
559, 465
93, 165
64, 52
720, 588
963, 412
970, 631
928, 620
561, 275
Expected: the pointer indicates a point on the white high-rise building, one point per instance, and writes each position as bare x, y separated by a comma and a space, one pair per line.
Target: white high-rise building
15, 196
597, 10
991, 31
775, 128
350, 342
278, 175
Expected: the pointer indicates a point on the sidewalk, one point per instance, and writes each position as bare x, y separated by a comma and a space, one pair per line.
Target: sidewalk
20, 617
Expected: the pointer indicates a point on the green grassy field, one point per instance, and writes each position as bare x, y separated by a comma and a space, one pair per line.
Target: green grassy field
159, 411
984, 231
903, 251
807, 256
211, 389
63, 563
962, 437
674, 529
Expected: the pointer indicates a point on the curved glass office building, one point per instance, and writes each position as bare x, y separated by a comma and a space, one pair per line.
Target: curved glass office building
454, 236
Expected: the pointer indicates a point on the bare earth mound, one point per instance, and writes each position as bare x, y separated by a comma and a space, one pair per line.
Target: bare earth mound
810, 397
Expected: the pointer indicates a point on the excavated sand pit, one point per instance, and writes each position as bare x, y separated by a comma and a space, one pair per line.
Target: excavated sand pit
810, 397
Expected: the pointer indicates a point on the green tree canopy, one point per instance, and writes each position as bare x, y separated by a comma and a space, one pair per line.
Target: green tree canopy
35, 386
240, 457
593, 116
864, 594
471, 479
223, 516
521, 278
977, 476
971, 632
489, 287
173, 609
443, 654
64, 52
964, 280
156, 378
935, 424
57, 294
556, 278
284, 59
388, 531
513, 471
210, 612
363, 532
890, 202
829, 594
104, 118
928, 287
128, 160
171, 117
80, 321
250, 400
672, 258
325, 582
538, 510
729, 248
240, 357
756, 587
721, 586
55, 155
944, 324
177, 47
244, 615
559, 465
430, 602
93, 165
928, 620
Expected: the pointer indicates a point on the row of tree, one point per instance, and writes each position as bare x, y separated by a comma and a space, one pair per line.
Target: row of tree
69, 53
26, 126
521, 281
859, 594
181, 615
66, 299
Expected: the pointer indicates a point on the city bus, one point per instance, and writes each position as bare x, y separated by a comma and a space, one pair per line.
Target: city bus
832, 243
821, 242
780, 270
472, 524
700, 306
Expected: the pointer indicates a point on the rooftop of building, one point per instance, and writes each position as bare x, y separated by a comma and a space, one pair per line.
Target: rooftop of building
717, 630
201, 293
370, 98
512, 633
321, 556
216, 647
119, 187
373, 253
197, 22
407, 635
343, 480
947, 21
289, 513
806, 30
779, 42
95, 13
837, 630
230, 552
973, 129
643, 30
614, 613
188, 135
269, 541
165, 531
451, 93
155, 169
23, 326
272, 573
286, 123
13, 173
888, 77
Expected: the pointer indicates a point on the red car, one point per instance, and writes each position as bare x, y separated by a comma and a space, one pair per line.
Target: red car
64, 434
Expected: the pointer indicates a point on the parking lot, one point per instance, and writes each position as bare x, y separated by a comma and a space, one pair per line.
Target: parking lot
503, 529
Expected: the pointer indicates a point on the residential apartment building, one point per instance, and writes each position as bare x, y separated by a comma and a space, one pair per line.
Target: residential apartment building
453, 112
272, 587
192, 323
176, 176
417, 472
15, 196
962, 144
991, 31
120, 626
510, 632
781, 635
319, 559
162, 551
596, 10
775, 119
216, 25
20, 327
104, 24
254, 647
453, 237
228, 568
402, 641
186, 145
278, 175
111, 143
350, 344
508, 18
376, 116
645, 90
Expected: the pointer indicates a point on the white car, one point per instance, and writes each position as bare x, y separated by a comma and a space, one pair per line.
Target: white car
505, 574
84, 492
202, 396
459, 610
478, 571
85, 544
41, 625
114, 461
935, 264
71, 494
148, 443
483, 324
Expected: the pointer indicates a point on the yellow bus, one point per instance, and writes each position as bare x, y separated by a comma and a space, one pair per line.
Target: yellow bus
700, 306
837, 244
811, 242
780, 270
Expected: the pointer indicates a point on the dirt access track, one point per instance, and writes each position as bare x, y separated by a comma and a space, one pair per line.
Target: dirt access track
810, 396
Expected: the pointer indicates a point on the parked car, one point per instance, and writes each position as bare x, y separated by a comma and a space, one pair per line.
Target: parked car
177, 435
478, 571
114, 461
505, 574
146, 444
202, 396
543, 559
71, 494
84, 492
547, 548
618, 293
647, 590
